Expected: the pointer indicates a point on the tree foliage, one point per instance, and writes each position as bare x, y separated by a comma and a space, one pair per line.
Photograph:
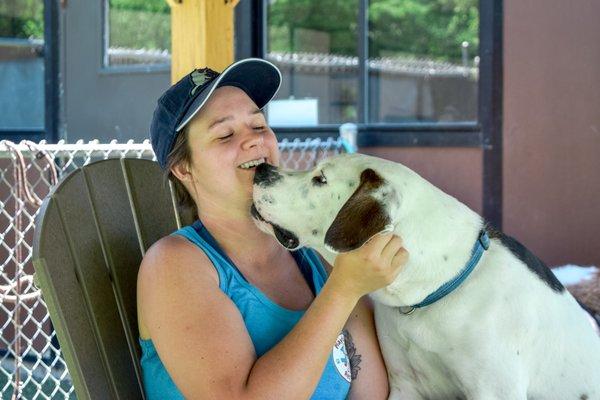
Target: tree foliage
22, 19
132, 23
422, 28
155, 6
139, 24
338, 18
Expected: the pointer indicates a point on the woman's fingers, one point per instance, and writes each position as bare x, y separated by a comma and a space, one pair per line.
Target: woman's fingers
400, 258
373, 266
391, 248
376, 244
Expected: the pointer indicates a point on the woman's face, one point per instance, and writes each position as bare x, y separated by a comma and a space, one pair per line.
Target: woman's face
229, 131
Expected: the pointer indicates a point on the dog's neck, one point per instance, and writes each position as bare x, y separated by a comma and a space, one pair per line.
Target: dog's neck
439, 233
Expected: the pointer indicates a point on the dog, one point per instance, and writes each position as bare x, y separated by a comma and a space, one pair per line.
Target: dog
472, 315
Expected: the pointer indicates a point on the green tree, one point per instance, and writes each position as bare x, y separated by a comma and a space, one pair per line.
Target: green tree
156, 6
339, 18
424, 28
421, 28
139, 24
22, 19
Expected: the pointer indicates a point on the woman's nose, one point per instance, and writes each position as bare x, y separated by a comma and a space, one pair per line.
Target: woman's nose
252, 138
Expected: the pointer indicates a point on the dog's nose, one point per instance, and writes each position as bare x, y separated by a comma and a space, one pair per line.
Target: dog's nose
266, 175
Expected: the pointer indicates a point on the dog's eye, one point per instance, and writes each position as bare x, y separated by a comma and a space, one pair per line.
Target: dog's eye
319, 179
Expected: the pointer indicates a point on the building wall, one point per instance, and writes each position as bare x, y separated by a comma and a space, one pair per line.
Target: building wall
552, 128
457, 171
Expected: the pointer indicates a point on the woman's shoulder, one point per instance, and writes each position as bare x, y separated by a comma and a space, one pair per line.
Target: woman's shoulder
171, 269
175, 255
168, 244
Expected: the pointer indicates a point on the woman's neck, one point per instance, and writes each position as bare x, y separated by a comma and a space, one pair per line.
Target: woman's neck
240, 238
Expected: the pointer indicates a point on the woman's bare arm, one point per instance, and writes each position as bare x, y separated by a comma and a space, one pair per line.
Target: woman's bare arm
202, 340
369, 375
368, 371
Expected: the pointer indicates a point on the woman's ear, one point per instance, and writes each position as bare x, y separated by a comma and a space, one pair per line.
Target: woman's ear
362, 216
181, 171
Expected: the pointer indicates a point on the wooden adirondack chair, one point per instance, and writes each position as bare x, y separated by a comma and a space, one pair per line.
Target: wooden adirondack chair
91, 234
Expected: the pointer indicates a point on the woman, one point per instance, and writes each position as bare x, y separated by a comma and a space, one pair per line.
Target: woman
224, 311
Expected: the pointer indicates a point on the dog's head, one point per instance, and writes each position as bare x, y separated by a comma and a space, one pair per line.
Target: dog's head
341, 203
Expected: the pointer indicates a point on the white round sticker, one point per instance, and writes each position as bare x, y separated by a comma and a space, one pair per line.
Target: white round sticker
340, 358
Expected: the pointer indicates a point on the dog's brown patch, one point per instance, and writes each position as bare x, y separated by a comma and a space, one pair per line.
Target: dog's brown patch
360, 218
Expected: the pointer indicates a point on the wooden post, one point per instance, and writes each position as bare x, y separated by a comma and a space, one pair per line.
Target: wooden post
201, 35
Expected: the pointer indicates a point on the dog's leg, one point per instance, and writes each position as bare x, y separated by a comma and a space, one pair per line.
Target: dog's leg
406, 393
493, 396
492, 385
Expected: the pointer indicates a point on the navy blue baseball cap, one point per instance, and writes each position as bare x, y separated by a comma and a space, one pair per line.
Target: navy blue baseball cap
260, 80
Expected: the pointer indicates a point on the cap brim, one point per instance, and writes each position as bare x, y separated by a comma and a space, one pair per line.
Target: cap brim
259, 78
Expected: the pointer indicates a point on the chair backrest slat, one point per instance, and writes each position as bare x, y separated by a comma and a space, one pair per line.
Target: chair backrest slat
91, 234
66, 304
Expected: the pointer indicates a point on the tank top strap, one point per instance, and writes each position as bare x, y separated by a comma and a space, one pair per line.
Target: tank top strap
307, 260
315, 263
223, 265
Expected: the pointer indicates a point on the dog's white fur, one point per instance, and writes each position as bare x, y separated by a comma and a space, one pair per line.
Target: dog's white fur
503, 334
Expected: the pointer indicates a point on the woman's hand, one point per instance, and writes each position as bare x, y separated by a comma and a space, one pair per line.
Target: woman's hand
370, 267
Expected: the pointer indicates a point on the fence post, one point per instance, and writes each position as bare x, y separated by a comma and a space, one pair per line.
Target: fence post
349, 133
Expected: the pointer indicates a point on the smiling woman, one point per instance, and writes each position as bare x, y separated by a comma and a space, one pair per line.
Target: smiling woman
221, 152
224, 310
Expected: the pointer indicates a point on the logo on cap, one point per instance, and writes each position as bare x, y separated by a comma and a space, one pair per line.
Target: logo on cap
200, 77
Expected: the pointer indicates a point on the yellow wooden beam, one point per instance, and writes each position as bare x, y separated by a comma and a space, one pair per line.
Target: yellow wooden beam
201, 35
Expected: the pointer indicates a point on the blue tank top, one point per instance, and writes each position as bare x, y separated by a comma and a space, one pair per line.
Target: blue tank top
266, 321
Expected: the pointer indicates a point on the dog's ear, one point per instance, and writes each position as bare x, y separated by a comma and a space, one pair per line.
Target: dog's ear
361, 217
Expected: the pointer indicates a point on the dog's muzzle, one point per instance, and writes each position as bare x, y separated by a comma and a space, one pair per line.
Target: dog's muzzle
285, 237
266, 175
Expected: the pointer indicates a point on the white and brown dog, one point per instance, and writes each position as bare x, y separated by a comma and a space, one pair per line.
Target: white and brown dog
490, 320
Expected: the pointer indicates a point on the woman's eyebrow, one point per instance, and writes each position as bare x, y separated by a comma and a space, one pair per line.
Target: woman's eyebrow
228, 117
219, 121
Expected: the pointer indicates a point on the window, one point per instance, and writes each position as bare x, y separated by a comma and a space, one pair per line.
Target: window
21, 64
423, 60
137, 32
376, 62
318, 57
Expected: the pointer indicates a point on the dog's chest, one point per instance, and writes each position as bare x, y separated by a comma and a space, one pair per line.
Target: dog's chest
414, 355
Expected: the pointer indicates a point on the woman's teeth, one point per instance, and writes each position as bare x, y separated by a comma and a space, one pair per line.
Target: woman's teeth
252, 163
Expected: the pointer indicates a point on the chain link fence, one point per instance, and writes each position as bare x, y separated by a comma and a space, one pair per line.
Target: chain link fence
31, 364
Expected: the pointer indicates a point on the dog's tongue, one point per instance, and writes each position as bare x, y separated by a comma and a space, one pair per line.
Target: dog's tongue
286, 238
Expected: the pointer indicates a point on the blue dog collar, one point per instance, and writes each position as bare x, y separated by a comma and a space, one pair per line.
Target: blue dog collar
481, 245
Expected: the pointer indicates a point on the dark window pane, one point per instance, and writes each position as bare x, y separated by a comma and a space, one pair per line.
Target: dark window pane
314, 43
423, 60
139, 32
21, 64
